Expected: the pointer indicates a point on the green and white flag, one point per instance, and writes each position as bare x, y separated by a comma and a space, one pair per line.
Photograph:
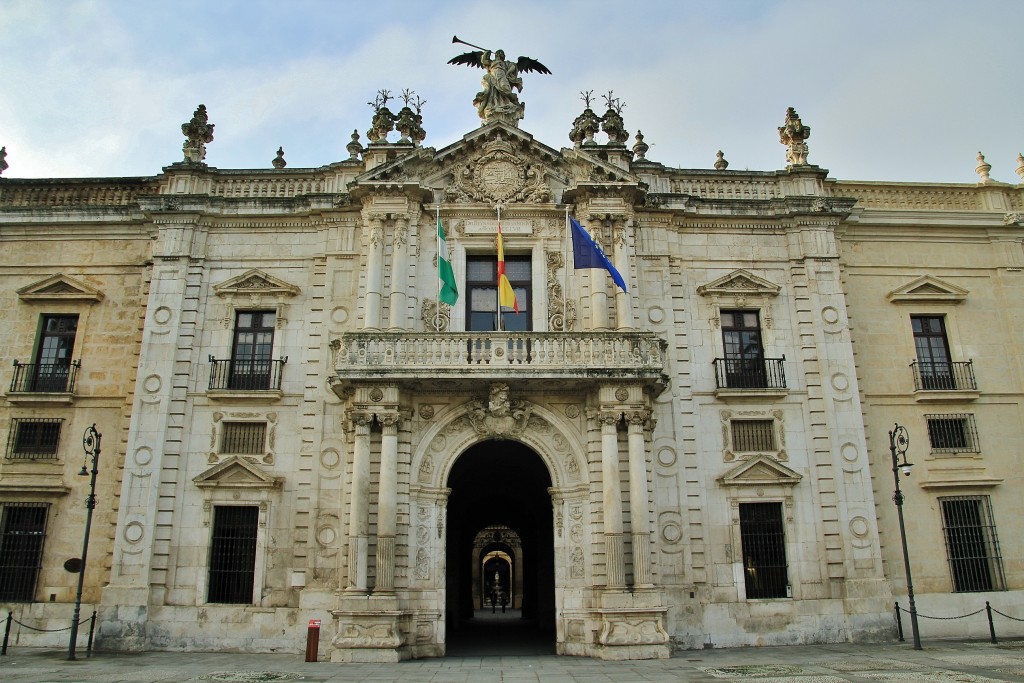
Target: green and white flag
449, 292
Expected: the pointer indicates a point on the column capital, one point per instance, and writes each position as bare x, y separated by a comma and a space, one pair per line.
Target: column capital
639, 420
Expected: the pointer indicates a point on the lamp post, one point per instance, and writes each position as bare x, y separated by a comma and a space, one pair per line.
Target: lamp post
91, 445
899, 441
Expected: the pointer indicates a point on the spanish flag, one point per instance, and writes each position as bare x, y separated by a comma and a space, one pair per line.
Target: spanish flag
506, 295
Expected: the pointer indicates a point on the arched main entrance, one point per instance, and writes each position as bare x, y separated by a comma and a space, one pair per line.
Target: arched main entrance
500, 485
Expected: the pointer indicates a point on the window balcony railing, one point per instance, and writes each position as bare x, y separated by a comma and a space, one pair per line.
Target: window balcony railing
750, 373
246, 375
470, 357
943, 376
44, 378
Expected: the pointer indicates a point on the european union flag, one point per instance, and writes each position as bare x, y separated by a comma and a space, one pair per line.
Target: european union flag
587, 254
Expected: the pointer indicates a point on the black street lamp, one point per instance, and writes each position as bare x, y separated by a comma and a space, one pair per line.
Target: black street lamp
91, 444
899, 441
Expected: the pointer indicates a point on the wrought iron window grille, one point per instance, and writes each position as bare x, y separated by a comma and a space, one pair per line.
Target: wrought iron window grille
32, 439
972, 545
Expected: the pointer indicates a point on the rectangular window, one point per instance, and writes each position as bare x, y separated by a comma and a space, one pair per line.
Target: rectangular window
482, 293
244, 438
233, 554
753, 435
971, 544
764, 550
53, 353
933, 359
744, 354
250, 355
34, 438
954, 433
22, 530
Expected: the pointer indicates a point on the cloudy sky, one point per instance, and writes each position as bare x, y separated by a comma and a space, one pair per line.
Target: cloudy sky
893, 90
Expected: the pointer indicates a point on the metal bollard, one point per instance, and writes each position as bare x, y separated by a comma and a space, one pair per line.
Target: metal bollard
7, 633
991, 626
313, 640
899, 622
92, 631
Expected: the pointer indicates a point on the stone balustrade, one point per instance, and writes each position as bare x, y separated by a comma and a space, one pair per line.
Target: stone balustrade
908, 197
474, 356
278, 186
16, 192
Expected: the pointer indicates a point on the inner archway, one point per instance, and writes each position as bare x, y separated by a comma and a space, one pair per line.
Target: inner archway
500, 517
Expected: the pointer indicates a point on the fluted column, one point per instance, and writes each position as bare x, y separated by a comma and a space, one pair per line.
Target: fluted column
399, 274
623, 301
387, 502
374, 271
638, 499
598, 286
359, 504
613, 536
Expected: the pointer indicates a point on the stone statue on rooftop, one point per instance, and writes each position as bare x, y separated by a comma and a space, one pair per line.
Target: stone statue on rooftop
498, 99
793, 135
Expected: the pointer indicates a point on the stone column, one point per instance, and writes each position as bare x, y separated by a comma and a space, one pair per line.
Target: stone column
359, 506
638, 499
387, 501
613, 536
374, 271
623, 301
598, 287
399, 274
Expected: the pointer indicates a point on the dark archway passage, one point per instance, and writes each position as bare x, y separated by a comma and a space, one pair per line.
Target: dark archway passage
500, 483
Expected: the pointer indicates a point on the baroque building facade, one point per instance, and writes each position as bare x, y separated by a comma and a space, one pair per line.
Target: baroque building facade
297, 428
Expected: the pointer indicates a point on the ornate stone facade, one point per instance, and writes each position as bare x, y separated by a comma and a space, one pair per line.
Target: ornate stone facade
753, 367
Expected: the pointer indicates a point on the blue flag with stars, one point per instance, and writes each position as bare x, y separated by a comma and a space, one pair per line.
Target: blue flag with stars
587, 254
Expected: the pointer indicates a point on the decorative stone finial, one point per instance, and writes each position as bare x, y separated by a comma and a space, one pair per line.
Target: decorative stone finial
612, 123
586, 125
3, 162
1020, 166
279, 161
353, 147
983, 168
792, 135
720, 163
383, 121
198, 132
640, 147
410, 123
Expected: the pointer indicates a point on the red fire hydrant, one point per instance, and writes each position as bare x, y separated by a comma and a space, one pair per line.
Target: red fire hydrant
313, 640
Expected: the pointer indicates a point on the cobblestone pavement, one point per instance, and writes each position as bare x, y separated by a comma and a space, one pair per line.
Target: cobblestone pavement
938, 662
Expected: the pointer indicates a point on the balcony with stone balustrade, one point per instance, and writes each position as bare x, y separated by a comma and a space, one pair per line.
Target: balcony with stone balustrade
534, 361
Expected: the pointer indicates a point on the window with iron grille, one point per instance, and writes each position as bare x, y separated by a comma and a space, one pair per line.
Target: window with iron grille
971, 544
764, 550
233, 554
22, 530
34, 439
954, 433
753, 435
244, 438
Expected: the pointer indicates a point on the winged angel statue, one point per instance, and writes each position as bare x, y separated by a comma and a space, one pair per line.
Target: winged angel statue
498, 100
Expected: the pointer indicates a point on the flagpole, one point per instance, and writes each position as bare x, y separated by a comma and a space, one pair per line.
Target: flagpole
565, 274
497, 238
437, 311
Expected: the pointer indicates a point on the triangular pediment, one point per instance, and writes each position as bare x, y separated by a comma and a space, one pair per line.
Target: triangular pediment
255, 281
928, 289
59, 287
760, 470
739, 283
495, 164
237, 473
